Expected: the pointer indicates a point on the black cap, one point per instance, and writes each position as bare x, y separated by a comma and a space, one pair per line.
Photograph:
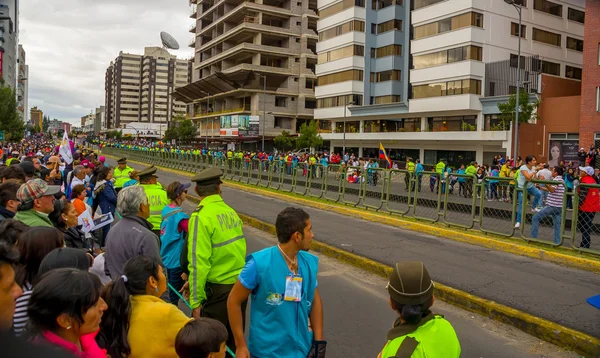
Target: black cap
149, 171
27, 167
122, 161
410, 284
208, 176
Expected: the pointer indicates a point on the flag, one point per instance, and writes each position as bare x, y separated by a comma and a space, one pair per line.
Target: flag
65, 149
383, 155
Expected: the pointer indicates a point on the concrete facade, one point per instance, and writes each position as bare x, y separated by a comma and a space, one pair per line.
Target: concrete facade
37, 117
589, 127
23, 85
9, 40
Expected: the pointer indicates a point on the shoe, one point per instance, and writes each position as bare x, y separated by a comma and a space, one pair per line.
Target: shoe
536, 210
490, 199
517, 225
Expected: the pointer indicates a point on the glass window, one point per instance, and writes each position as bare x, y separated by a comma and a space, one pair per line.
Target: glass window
573, 72
576, 15
387, 99
340, 6
354, 25
548, 7
514, 61
390, 75
450, 24
551, 68
347, 51
514, 29
349, 75
448, 56
384, 51
574, 44
389, 26
380, 4
338, 101
447, 88
547, 37
422, 3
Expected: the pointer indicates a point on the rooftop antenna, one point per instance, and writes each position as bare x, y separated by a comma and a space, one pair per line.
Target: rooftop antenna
168, 41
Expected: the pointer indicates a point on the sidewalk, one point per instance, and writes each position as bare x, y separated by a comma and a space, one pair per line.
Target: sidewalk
540, 288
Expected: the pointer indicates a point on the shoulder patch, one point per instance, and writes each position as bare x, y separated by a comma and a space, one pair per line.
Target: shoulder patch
198, 208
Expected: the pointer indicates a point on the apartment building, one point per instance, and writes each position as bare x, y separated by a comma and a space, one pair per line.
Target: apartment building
9, 39
589, 126
23, 85
37, 117
139, 88
252, 59
421, 73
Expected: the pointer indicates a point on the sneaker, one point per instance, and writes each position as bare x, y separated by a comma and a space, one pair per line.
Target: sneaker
536, 210
517, 225
490, 199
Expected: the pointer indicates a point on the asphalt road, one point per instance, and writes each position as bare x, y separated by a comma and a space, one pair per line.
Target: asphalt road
358, 316
537, 287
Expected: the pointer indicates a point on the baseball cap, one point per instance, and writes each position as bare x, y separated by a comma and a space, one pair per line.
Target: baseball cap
587, 170
182, 187
102, 159
35, 189
87, 164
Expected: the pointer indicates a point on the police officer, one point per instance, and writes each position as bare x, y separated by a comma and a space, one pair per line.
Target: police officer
216, 251
157, 197
410, 166
417, 332
121, 174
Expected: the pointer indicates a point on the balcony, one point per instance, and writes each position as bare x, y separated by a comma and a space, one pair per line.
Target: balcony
193, 11
193, 27
193, 2
192, 42
221, 112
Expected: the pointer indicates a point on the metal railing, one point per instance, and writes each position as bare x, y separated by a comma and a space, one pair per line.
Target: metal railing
489, 205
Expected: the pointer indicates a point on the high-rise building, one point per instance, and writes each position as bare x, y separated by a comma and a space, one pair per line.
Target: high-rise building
138, 88
37, 118
589, 122
9, 39
252, 59
416, 75
23, 85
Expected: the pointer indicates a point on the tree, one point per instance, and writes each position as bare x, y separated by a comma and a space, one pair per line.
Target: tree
45, 124
309, 136
114, 134
527, 110
284, 141
11, 121
171, 133
187, 130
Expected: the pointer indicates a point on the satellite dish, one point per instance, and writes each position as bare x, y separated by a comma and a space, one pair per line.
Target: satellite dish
169, 41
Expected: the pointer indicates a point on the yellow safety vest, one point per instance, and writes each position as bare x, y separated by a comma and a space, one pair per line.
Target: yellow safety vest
122, 176
410, 166
157, 199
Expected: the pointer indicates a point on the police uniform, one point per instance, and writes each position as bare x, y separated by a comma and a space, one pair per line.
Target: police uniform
157, 198
121, 176
216, 253
433, 336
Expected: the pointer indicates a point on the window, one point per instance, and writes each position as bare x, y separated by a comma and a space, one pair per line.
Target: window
448, 56
447, 88
576, 15
422, 3
349, 26
514, 61
573, 72
349, 75
551, 68
338, 101
387, 99
340, 6
310, 83
348, 51
310, 103
452, 124
514, 30
548, 7
546, 37
574, 44
380, 4
374, 29
450, 24
384, 51
389, 26
280, 101
390, 75
597, 99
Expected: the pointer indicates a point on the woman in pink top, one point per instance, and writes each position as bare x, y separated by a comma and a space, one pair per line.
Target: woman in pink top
65, 310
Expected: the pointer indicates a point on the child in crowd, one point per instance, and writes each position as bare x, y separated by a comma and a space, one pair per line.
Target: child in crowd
202, 338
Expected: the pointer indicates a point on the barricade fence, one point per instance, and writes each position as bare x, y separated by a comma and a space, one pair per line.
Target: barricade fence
492, 205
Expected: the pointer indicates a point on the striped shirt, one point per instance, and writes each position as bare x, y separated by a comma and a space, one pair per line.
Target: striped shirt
556, 199
21, 318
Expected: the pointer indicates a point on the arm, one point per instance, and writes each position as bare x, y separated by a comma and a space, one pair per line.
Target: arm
528, 175
237, 296
199, 253
150, 247
316, 316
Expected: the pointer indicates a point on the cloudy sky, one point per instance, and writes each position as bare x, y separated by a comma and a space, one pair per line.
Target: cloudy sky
70, 43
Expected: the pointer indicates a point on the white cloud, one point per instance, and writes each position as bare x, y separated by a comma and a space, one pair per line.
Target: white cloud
70, 43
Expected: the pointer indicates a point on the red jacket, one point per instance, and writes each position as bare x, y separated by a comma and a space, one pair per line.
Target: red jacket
591, 203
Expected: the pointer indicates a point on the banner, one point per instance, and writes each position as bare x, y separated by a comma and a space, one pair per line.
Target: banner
65, 149
229, 126
563, 149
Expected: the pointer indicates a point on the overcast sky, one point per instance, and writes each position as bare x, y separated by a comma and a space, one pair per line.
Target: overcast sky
70, 43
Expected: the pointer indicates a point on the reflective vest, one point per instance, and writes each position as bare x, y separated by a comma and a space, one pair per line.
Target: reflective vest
410, 166
157, 199
433, 337
122, 176
439, 167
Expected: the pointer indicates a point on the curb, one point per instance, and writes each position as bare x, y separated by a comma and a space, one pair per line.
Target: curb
464, 236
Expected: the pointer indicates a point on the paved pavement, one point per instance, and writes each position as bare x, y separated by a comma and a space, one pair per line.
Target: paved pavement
356, 310
540, 288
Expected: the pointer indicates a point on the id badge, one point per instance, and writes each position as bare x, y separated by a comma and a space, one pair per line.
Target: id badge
293, 288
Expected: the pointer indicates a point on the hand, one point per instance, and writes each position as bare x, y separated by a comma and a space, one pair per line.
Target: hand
196, 312
242, 352
184, 276
185, 290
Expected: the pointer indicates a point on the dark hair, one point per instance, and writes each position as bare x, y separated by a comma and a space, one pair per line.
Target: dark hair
44, 173
65, 257
560, 171
206, 190
8, 255
13, 172
65, 290
172, 190
412, 314
28, 159
60, 207
11, 230
289, 221
115, 324
529, 159
34, 244
199, 338
77, 190
8, 191
102, 173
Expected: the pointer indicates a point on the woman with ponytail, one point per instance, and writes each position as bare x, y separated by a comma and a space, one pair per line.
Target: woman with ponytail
138, 323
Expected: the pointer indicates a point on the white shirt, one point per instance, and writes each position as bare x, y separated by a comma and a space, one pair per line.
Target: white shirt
77, 181
544, 174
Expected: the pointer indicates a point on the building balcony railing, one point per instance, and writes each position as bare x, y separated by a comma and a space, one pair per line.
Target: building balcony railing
193, 11
219, 113
193, 27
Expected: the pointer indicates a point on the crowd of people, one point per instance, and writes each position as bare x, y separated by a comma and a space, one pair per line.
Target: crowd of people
98, 262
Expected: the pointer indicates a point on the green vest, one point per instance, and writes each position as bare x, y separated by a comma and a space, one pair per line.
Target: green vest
433, 337
157, 199
410, 166
439, 167
121, 176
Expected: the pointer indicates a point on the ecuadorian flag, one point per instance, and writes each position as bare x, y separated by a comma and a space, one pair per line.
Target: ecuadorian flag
383, 155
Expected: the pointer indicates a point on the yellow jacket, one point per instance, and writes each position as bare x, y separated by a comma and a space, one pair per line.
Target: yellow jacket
153, 326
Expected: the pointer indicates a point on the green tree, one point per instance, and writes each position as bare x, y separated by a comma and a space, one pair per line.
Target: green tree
187, 130
284, 141
527, 109
11, 121
309, 136
45, 124
171, 133
114, 134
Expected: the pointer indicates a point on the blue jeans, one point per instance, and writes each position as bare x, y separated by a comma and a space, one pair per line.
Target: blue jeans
537, 196
553, 211
174, 278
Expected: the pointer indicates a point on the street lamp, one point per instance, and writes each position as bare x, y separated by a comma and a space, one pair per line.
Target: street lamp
519, 7
344, 141
264, 77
